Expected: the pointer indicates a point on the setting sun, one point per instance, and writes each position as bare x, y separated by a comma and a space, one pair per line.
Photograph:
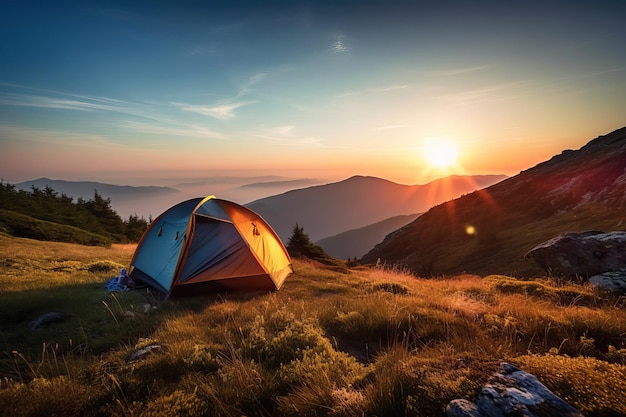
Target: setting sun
441, 154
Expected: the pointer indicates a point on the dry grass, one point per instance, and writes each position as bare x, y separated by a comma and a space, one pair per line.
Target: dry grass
367, 342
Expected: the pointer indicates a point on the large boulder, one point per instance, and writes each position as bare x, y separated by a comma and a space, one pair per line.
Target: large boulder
613, 281
575, 255
513, 392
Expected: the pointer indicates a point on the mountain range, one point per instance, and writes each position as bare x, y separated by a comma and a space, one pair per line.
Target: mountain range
150, 201
86, 189
327, 210
126, 200
490, 230
357, 242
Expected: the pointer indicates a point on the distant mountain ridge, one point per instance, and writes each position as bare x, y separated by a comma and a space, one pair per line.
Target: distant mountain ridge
330, 209
86, 189
490, 230
126, 200
303, 182
357, 242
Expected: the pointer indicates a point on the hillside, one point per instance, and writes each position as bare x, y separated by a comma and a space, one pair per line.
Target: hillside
330, 209
351, 343
489, 231
357, 242
45, 214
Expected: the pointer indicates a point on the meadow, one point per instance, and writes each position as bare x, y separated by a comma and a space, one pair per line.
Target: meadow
334, 341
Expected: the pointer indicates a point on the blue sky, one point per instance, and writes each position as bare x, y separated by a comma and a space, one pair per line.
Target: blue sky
97, 90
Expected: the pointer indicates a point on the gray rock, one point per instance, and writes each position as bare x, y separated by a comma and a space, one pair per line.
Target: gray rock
614, 281
141, 353
575, 255
513, 392
462, 408
45, 320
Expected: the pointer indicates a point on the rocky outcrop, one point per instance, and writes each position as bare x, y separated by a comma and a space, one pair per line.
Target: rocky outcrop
513, 392
574, 255
614, 281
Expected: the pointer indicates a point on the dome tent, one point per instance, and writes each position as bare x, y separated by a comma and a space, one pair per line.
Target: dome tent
210, 244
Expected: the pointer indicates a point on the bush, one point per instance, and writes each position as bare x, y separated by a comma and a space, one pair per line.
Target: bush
104, 266
592, 386
178, 403
40, 396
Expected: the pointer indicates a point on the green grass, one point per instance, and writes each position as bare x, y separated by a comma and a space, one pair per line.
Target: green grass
334, 341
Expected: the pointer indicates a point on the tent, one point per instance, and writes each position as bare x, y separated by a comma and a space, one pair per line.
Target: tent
210, 244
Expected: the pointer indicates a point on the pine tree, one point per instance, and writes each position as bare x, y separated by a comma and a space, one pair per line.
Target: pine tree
299, 245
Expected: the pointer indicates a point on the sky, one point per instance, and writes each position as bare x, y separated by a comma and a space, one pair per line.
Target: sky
131, 91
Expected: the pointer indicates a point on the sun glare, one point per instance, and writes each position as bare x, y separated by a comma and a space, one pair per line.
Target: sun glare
441, 154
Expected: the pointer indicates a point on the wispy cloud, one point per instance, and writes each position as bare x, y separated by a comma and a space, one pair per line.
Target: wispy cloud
192, 131
287, 135
394, 87
373, 90
221, 111
339, 46
252, 81
278, 133
42, 138
27, 100
56, 100
199, 51
388, 127
458, 71
282, 130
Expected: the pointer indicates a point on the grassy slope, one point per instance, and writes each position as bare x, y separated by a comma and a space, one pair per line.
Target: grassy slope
21, 225
365, 342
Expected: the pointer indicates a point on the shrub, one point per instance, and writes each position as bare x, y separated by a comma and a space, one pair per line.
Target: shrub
392, 287
178, 403
592, 386
104, 266
40, 396
544, 289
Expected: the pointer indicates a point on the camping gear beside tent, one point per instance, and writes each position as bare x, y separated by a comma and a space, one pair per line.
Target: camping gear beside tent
210, 244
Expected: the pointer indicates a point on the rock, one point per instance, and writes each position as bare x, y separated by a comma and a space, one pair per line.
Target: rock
462, 408
141, 353
45, 320
574, 255
614, 281
513, 392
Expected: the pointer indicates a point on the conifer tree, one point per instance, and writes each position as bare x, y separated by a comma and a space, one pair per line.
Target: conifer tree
299, 245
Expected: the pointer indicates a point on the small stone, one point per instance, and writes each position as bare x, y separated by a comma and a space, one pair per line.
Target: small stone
45, 320
141, 353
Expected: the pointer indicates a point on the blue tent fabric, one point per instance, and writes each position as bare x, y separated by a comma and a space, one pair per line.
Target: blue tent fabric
160, 250
213, 243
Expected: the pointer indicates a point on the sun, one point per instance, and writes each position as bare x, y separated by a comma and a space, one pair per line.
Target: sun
441, 154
